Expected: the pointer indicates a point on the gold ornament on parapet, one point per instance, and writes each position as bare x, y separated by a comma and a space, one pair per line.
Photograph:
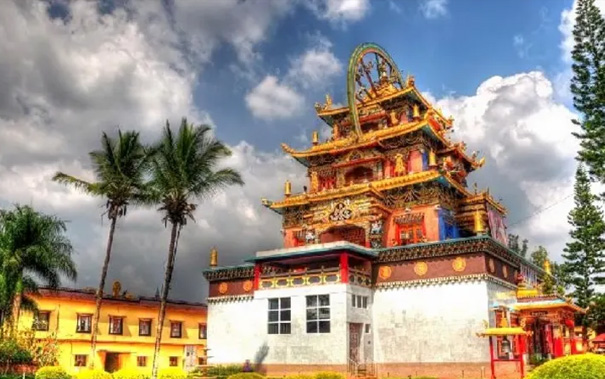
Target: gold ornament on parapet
247, 286
491, 265
223, 288
421, 268
459, 264
385, 272
505, 271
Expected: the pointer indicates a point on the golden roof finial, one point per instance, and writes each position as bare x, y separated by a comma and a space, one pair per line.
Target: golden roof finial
315, 137
479, 228
547, 267
328, 101
288, 188
213, 257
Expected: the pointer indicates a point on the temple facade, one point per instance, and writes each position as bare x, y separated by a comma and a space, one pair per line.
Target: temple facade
390, 264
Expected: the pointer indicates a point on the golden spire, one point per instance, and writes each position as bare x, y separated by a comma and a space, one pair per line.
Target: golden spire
432, 159
547, 267
479, 228
416, 112
213, 257
288, 188
315, 137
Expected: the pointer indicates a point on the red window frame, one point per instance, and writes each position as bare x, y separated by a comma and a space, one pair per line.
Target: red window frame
417, 230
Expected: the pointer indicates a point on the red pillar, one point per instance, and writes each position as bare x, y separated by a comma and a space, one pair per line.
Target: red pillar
257, 270
491, 357
344, 268
521, 341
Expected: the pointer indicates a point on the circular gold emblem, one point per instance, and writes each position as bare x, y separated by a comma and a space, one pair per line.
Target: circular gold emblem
492, 266
459, 264
247, 285
421, 268
505, 271
222, 288
385, 272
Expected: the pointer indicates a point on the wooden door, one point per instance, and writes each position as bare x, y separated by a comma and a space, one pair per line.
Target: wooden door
354, 342
112, 362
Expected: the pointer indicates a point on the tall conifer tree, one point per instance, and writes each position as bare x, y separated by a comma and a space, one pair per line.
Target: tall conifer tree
584, 255
588, 85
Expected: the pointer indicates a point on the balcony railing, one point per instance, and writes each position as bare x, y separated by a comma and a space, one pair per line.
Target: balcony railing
298, 279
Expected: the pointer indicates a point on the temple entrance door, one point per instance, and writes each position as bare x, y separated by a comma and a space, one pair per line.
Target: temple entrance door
112, 362
355, 342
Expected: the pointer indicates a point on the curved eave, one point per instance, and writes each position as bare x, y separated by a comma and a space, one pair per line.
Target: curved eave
484, 197
546, 306
472, 163
500, 332
376, 188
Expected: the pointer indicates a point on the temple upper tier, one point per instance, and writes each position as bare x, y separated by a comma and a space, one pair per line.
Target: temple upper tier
389, 175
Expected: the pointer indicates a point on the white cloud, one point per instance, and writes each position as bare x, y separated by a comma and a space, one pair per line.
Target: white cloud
316, 65
272, 100
525, 135
433, 8
339, 10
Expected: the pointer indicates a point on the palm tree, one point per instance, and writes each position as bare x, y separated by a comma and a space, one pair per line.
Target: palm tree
184, 169
120, 168
31, 245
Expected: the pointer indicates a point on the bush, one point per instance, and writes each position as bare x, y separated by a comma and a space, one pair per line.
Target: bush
172, 373
11, 352
131, 373
222, 372
585, 366
300, 376
51, 372
246, 375
329, 375
93, 374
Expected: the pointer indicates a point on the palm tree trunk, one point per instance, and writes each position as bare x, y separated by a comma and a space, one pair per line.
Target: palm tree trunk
99, 295
17, 304
165, 291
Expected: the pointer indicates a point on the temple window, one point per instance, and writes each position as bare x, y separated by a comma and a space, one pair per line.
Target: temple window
360, 301
359, 175
80, 360
115, 324
141, 361
410, 228
41, 320
83, 324
174, 361
176, 329
318, 314
202, 331
145, 327
280, 317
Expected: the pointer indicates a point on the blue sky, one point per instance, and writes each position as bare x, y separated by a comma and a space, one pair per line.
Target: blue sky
253, 69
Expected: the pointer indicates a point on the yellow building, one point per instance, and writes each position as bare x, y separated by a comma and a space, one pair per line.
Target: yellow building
127, 329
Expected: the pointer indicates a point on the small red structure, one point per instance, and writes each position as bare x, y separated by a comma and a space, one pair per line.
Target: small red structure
599, 343
510, 346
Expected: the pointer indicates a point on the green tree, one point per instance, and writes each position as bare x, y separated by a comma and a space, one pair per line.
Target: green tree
184, 169
32, 245
120, 168
596, 313
539, 256
588, 85
584, 254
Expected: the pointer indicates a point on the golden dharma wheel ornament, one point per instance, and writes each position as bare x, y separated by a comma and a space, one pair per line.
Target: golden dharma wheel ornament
421, 268
459, 264
247, 286
492, 266
223, 288
505, 271
385, 272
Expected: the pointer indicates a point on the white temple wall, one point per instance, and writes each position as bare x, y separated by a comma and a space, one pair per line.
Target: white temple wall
435, 323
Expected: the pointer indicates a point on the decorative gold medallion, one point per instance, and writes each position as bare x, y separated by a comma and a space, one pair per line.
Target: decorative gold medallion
247, 285
492, 266
222, 288
421, 268
459, 264
505, 271
385, 272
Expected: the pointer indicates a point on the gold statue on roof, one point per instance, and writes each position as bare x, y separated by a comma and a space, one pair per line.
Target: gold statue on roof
399, 165
314, 182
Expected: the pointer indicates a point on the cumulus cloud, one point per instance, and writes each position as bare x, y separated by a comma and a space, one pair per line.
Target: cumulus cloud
433, 8
272, 100
339, 10
525, 135
316, 65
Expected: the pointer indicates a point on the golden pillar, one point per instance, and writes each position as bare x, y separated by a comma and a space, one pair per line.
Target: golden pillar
288, 188
315, 138
479, 228
213, 257
416, 112
432, 159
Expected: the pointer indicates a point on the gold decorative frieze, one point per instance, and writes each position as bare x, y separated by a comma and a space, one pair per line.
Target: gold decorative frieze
303, 279
228, 299
459, 264
421, 268
491, 265
505, 271
443, 280
223, 288
247, 286
385, 272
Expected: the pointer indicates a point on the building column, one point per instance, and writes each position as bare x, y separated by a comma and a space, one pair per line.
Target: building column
344, 267
257, 271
